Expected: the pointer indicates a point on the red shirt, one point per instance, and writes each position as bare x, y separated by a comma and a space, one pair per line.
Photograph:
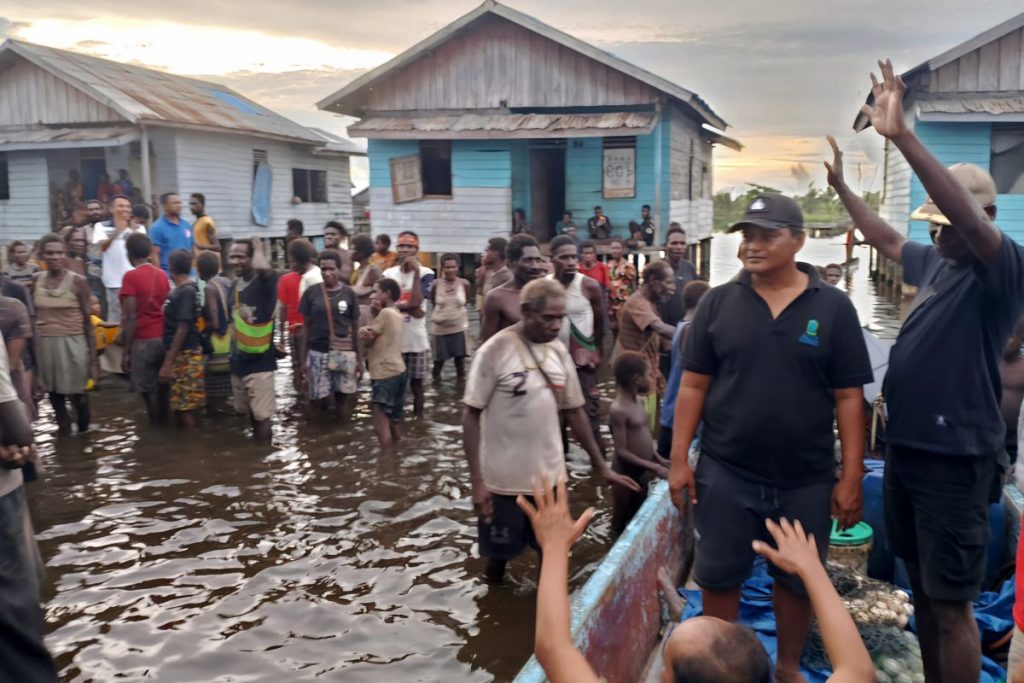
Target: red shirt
150, 287
288, 295
599, 271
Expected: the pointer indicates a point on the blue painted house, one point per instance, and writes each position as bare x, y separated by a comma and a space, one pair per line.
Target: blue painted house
966, 105
499, 111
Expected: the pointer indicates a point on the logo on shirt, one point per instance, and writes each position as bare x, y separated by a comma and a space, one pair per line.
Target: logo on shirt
810, 335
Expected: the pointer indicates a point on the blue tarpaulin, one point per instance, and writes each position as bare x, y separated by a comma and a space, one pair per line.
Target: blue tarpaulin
993, 612
261, 184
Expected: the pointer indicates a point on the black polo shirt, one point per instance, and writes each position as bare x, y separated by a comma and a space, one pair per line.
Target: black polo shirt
770, 407
943, 388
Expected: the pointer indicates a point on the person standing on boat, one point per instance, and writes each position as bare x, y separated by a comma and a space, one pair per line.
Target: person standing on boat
945, 432
772, 359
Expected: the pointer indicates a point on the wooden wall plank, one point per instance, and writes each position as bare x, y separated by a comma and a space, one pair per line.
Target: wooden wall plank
988, 67
967, 78
1010, 56
948, 76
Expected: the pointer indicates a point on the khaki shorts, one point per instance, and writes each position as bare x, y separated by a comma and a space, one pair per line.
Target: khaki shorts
1015, 660
255, 394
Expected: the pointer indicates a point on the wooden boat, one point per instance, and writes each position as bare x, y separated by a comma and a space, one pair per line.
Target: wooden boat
617, 615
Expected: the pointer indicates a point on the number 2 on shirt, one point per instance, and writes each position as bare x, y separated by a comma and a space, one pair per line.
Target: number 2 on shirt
518, 389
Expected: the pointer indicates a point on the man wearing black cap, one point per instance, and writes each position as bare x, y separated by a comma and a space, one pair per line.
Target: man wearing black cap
945, 431
772, 359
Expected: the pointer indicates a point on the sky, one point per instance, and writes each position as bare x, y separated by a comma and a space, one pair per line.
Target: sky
783, 74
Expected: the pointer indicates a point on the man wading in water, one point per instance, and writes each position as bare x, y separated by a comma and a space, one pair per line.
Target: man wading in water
501, 305
945, 431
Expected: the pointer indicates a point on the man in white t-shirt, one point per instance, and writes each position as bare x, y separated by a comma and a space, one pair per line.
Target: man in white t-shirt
521, 382
415, 280
23, 657
111, 236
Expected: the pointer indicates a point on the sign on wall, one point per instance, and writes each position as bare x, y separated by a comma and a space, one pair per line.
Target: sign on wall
619, 173
406, 180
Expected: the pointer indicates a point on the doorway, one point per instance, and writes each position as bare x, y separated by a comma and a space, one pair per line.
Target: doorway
92, 169
547, 188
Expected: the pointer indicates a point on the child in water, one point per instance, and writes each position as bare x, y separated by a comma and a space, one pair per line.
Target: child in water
634, 447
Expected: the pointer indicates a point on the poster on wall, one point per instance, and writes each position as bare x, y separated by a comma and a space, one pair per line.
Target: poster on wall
620, 173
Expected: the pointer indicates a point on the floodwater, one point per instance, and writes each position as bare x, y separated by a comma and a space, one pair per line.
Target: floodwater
204, 557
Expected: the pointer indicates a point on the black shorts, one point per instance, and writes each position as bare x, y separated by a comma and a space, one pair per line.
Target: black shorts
389, 395
509, 532
936, 517
730, 515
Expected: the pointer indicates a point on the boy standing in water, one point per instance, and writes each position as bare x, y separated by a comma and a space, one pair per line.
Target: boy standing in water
634, 448
383, 339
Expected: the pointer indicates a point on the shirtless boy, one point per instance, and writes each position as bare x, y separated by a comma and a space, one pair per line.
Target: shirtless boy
501, 305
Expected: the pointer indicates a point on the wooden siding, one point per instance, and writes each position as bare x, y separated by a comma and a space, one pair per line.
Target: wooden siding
895, 206
26, 215
689, 198
499, 62
462, 224
995, 67
30, 95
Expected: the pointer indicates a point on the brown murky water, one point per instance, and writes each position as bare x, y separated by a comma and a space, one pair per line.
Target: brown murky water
181, 558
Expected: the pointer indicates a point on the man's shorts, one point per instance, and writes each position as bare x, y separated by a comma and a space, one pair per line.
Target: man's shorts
389, 394
730, 515
147, 357
324, 382
188, 392
254, 393
936, 517
509, 532
417, 365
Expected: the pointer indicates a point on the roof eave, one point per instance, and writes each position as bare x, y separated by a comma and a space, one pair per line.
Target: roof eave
161, 123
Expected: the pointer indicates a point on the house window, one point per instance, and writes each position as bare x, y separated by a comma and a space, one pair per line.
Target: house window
436, 168
310, 186
1007, 161
619, 167
5, 185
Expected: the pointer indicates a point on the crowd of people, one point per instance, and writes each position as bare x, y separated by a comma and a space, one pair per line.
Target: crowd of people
733, 394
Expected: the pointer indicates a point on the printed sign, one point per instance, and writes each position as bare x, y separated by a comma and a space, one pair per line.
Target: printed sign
620, 173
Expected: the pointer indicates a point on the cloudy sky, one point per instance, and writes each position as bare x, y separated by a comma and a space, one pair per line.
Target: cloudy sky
782, 73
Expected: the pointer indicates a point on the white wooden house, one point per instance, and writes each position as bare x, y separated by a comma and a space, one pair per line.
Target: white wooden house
62, 111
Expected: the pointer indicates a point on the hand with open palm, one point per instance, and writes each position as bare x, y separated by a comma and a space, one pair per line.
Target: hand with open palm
835, 169
887, 113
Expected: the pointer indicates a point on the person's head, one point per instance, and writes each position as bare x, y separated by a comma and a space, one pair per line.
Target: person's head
17, 253
710, 649
140, 214
450, 267
408, 244
567, 217
54, 252
659, 281
494, 253
565, 257
542, 302
330, 267
294, 229
833, 273
73, 175
170, 202
645, 211
197, 203
598, 211
94, 306
519, 215
631, 372
104, 178
333, 232
361, 246
675, 244
635, 231
120, 208
122, 174
693, 292
773, 233
385, 293
570, 230
93, 210
179, 262
240, 257
139, 247
301, 253
524, 258
982, 188
76, 242
207, 265
382, 244
616, 248
588, 252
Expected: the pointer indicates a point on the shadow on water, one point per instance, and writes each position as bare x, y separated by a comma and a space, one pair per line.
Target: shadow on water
204, 557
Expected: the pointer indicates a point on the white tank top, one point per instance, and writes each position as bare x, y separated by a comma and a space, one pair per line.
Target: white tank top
578, 311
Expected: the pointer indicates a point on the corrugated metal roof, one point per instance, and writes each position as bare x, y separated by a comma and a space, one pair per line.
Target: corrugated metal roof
505, 125
336, 143
144, 95
973, 105
38, 136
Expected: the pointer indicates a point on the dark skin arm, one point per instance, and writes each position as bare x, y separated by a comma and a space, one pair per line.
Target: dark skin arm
595, 295
620, 431
490, 317
663, 329
18, 441
129, 316
848, 496
372, 276
210, 308
579, 423
689, 405
413, 306
482, 503
167, 368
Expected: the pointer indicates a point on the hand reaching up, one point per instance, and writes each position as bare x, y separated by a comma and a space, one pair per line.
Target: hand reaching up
835, 169
552, 522
887, 113
795, 552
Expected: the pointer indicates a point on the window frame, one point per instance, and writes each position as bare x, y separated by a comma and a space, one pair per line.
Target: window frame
306, 177
426, 182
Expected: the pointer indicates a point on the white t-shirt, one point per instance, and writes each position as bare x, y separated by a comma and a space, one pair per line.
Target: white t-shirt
414, 332
311, 277
520, 432
10, 480
115, 258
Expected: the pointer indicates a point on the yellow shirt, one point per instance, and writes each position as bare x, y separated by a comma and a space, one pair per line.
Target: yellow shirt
205, 231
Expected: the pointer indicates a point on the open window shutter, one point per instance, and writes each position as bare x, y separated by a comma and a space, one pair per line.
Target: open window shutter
406, 182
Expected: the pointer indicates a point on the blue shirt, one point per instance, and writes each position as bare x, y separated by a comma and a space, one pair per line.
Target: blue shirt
169, 236
943, 388
675, 377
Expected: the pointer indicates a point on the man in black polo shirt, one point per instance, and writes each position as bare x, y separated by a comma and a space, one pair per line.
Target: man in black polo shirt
942, 390
772, 359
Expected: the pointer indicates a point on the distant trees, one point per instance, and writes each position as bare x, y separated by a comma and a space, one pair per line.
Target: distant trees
819, 206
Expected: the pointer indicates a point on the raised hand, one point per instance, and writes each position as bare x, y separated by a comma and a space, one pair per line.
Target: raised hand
835, 169
552, 522
797, 552
887, 114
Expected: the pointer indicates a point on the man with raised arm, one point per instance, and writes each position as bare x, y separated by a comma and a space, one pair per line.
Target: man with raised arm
945, 432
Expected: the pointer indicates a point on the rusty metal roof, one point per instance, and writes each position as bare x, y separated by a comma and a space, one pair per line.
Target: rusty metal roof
973, 105
36, 137
144, 95
503, 126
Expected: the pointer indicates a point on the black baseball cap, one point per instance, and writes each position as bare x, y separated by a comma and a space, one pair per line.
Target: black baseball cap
773, 211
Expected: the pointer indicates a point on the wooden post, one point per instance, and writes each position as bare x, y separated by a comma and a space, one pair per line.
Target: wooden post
660, 229
147, 181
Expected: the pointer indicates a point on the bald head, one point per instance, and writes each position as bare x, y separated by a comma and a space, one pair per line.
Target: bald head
709, 650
